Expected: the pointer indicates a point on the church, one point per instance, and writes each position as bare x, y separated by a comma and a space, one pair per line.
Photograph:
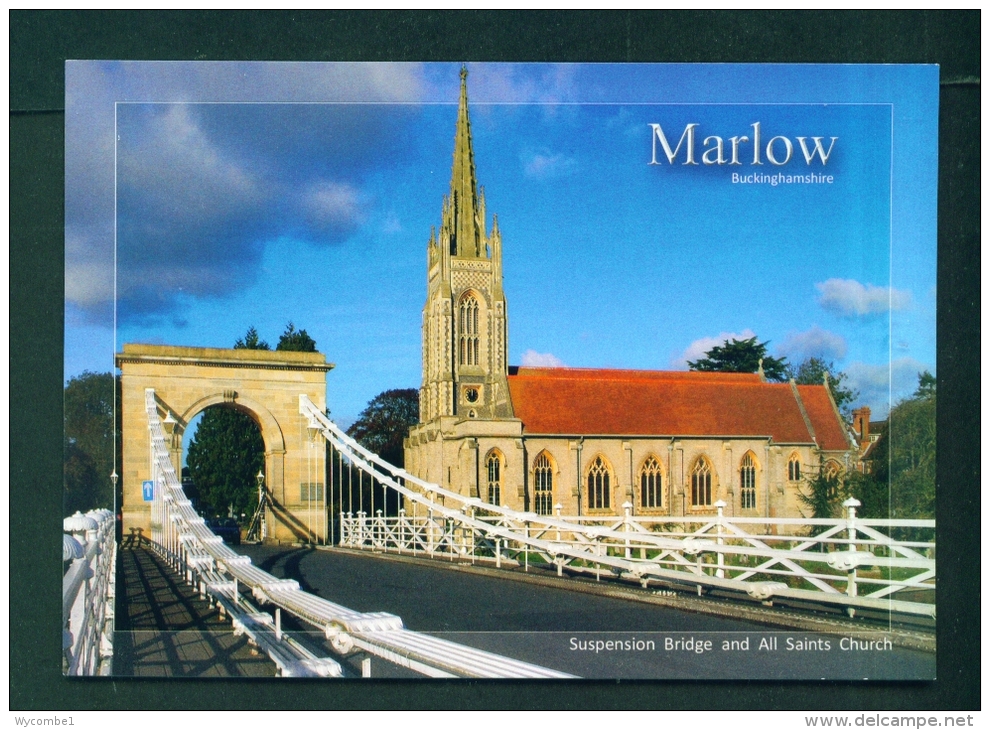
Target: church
590, 441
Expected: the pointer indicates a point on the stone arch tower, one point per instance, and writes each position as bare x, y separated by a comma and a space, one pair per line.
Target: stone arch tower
264, 384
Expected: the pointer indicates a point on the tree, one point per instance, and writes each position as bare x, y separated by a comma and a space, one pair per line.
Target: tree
901, 482
742, 356
904, 457
380, 428
224, 457
296, 340
926, 385
384, 424
813, 371
821, 492
227, 452
82, 486
89, 441
251, 341
873, 495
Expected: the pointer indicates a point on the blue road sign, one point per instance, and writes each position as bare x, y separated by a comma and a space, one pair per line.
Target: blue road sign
148, 491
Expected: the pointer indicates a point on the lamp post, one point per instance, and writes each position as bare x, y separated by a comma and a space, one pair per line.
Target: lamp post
261, 502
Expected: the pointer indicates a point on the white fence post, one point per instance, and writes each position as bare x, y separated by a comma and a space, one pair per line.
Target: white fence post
627, 508
719, 530
851, 504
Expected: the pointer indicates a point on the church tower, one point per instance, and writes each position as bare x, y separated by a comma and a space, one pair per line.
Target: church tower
464, 319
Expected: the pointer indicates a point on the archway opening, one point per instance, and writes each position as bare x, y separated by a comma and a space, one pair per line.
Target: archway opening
223, 452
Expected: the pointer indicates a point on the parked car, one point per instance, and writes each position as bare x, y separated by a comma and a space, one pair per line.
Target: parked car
226, 528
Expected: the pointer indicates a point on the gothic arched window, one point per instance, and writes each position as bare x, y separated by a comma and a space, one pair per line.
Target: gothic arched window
599, 485
467, 329
747, 481
493, 464
651, 484
701, 484
543, 485
794, 468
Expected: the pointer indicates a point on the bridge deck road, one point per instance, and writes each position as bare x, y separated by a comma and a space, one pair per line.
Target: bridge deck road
164, 629
543, 624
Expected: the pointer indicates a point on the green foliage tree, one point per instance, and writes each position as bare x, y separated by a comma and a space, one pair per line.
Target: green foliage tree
873, 495
82, 488
904, 457
821, 493
251, 341
296, 340
901, 481
383, 425
813, 371
89, 441
742, 356
926, 385
381, 428
224, 457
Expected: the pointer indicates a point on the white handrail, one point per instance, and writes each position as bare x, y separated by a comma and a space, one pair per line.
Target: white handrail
183, 534
88, 588
810, 564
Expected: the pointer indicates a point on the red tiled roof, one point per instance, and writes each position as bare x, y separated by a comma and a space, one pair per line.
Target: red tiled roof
666, 403
829, 432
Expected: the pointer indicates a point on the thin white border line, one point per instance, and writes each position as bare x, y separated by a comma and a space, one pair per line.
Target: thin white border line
535, 104
890, 318
890, 308
514, 103
113, 356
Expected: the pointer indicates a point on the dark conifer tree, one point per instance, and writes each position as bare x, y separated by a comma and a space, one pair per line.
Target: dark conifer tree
742, 356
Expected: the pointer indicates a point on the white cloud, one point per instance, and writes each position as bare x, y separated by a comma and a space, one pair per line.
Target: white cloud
547, 165
196, 201
534, 359
87, 284
332, 205
697, 349
878, 385
88, 277
849, 298
169, 165
518, 83
816, 342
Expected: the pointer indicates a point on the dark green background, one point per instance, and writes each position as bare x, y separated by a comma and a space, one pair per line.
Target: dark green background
41, 41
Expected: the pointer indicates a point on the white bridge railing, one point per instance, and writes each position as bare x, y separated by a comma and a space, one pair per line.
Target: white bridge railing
183, 539
850, 563
90, 549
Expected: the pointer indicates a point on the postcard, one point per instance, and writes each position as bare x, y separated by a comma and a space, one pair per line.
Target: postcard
500, 370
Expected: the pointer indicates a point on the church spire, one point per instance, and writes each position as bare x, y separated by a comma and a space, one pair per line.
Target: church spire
465, 318
466, 238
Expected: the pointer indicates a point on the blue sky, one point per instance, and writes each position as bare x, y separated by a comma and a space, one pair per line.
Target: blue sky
251, 194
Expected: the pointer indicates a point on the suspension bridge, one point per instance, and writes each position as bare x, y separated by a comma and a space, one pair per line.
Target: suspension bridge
864, 569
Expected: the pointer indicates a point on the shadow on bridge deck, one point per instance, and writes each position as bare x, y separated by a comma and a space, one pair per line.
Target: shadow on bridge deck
164, 629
